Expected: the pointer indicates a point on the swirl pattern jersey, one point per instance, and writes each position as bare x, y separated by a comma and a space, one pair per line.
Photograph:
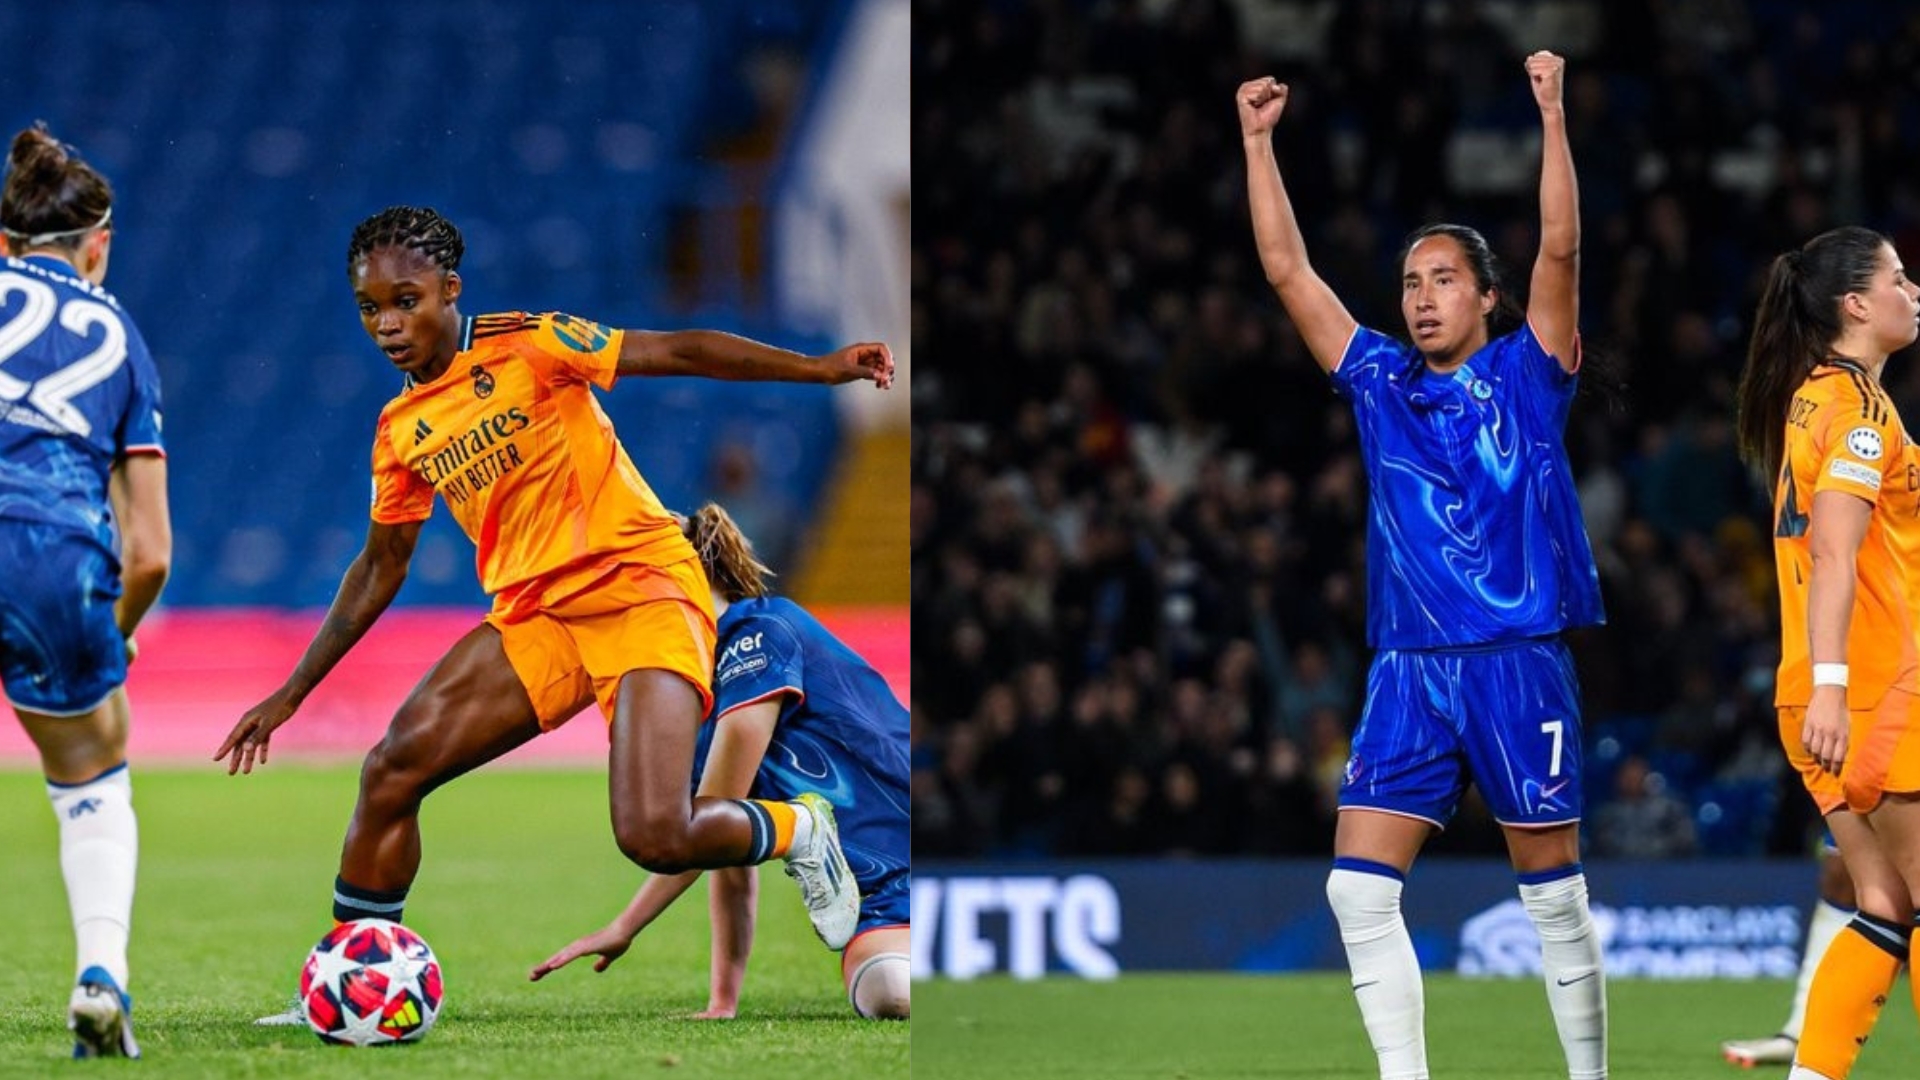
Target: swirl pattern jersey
841, 732
1474, 533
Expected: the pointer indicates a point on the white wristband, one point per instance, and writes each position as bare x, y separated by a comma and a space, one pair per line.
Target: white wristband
1829, 674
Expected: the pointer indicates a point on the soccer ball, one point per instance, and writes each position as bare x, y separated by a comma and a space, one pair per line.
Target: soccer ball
371, 982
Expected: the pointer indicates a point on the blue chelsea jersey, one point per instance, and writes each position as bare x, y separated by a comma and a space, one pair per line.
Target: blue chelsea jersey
1474, 533
78, 390
841, 732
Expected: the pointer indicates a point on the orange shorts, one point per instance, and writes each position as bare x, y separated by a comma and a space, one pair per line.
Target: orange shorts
570, 637
1883, 754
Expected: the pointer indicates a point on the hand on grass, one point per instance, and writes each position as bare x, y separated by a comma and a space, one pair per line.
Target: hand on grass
609, 943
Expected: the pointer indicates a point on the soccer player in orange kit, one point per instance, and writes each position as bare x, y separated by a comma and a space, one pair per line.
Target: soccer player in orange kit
596, 593
1817, 422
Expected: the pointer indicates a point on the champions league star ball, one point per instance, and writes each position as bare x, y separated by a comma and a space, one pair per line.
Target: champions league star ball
371, 982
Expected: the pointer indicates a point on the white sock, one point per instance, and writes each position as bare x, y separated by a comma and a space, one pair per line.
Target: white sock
99, 849
802, 828
1570, 956
1386, 973
1826, 921
1801, 1072
882, 987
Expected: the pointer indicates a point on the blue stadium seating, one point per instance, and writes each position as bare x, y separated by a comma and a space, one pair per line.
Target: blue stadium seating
246, 140
1733, 818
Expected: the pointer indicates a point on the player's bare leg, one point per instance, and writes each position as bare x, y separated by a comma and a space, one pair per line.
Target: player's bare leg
656, 821
1372, 852
469, 709
84, 759
663, 828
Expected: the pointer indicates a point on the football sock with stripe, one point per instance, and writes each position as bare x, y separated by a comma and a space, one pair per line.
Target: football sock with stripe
99, 852
1556, 901
1365, 897
351, 902
1826, 921
1849, 988
777, 827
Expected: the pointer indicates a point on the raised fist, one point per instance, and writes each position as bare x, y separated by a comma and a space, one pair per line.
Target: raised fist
1261, 102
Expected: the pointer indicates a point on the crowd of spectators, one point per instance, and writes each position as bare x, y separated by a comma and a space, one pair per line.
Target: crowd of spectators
1138, 509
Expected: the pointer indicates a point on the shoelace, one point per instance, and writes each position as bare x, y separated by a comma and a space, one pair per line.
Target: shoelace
812, 888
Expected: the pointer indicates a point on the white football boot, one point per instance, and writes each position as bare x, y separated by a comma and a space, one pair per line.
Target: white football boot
1772, 1050
826, 881
294, 1015
100, 1015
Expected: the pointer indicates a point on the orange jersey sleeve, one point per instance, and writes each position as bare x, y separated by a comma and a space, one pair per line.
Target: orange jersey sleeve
1844, 435
515, 443
399, 496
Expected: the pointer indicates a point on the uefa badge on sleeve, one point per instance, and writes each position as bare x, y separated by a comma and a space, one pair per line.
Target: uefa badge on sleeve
1864, 443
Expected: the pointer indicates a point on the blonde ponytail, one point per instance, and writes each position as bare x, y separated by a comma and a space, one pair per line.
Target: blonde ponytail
734, 570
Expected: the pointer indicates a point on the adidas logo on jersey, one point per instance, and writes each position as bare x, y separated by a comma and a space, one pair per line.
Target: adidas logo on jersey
420, 432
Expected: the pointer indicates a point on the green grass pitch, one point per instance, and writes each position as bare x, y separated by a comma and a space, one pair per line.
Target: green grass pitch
1196, 1027
235, 885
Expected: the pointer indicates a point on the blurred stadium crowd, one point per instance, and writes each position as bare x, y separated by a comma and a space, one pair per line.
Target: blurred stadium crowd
1137, 518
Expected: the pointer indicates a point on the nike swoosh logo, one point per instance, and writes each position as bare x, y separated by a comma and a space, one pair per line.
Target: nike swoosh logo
1362, 986
1548, 793
1575, 979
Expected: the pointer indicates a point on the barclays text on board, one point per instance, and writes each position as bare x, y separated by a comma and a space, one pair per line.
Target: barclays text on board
1737, 919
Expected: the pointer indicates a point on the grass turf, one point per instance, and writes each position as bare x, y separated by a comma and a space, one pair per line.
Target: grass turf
1190, 1027
235, 886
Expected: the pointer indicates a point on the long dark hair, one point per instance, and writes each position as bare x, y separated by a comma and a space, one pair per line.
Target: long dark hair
1506, 314
1797, 322
51, 195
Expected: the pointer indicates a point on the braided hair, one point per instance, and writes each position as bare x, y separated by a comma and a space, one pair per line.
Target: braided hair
735, 572
418, 227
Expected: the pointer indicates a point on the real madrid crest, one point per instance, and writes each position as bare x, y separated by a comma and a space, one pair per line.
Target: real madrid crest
482, 381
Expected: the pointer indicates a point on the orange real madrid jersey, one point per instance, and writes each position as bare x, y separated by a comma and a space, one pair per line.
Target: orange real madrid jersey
1844, 435
512, 438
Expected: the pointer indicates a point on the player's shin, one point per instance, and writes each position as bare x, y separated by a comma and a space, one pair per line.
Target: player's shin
99, 852
1365, 897
1556, 901
1826, 922
1849, 988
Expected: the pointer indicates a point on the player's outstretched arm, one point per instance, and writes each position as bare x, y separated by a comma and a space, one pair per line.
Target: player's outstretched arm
1316, 312
739, 745
1553, 301
740, 740
733, 901
714, 354
612, 941
369, 585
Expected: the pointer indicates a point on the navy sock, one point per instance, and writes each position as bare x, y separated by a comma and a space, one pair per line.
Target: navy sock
351, 902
